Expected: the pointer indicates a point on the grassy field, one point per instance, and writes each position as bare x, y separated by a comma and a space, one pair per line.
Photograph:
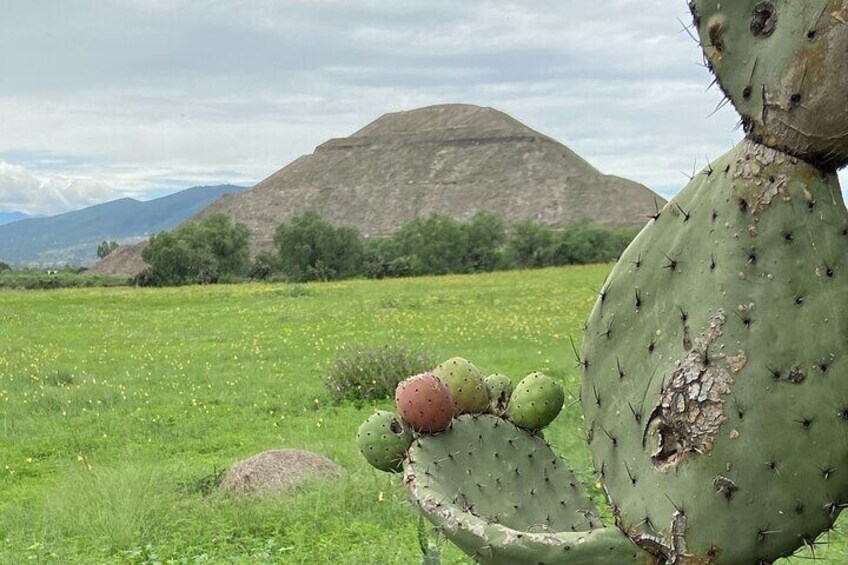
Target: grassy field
120, 406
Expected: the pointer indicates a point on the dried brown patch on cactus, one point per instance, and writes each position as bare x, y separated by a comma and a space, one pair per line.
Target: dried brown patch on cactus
691, 408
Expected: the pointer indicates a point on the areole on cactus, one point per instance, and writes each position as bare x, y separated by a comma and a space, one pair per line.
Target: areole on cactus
714, 361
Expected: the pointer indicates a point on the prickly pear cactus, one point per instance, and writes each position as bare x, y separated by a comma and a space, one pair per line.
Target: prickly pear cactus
715, 363
784, 66
715, 360
494, 489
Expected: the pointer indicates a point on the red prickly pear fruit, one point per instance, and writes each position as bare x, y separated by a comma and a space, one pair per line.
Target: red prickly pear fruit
424, 402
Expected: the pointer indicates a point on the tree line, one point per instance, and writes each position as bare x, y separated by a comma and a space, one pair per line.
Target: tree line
308, 248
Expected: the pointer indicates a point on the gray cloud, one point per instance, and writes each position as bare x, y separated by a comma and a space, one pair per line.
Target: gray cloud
150, 95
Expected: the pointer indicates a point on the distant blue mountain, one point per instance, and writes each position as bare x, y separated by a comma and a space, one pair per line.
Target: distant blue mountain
72, 238
9, 217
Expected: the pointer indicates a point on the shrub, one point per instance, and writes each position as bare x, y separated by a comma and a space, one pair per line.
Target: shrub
264, 266
584, 242
530, 245
373, 373
198, 253
436, 245
310, 248
106, 248
485, 235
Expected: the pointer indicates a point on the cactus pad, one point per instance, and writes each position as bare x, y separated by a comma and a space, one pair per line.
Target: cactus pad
467, 387
715, 364
425, 403
383, 440
503, 496
784, 66
536, 402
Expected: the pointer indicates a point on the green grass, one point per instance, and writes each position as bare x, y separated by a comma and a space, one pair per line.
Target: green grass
119, 406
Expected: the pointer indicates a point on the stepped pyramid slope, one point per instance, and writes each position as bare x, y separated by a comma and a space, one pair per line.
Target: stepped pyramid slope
456, 159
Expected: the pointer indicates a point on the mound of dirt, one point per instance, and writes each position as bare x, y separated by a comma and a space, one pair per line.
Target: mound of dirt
278, 471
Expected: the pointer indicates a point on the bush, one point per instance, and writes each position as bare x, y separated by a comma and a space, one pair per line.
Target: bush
264, 266
530, 245
436, 245
198, 253
106, 248
373, 373
584, 243
485, 235
310, 248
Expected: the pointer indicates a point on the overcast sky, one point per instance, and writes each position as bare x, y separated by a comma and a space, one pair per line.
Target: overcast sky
107, 98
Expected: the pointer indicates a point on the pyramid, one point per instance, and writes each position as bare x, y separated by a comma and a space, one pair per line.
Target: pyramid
456, 159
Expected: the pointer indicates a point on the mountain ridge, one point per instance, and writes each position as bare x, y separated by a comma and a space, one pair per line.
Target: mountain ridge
14, 216
72, 237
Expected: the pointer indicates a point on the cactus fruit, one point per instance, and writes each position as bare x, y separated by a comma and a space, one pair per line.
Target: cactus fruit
383, 440
536, 401
467, 387
500, 389
713, 364
504, 497
783, 64
424, 402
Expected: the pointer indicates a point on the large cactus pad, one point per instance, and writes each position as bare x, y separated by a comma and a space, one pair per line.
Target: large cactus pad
715, 383
784, 64
502, 495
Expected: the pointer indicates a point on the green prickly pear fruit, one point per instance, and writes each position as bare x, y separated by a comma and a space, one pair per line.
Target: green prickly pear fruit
500, 389
383, 440
783, 64
424, 402
466, 384
536, 402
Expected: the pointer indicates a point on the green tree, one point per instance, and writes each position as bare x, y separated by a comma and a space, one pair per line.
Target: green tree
106, 248
201, 252
310, 248
584, 242
485, 234
4, 267
530, 245
436, 245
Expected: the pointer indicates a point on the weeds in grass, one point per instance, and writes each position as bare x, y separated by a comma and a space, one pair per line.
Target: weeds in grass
363, 373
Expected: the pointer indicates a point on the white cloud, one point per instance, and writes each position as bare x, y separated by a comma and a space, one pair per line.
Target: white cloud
145, 95
22, 191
